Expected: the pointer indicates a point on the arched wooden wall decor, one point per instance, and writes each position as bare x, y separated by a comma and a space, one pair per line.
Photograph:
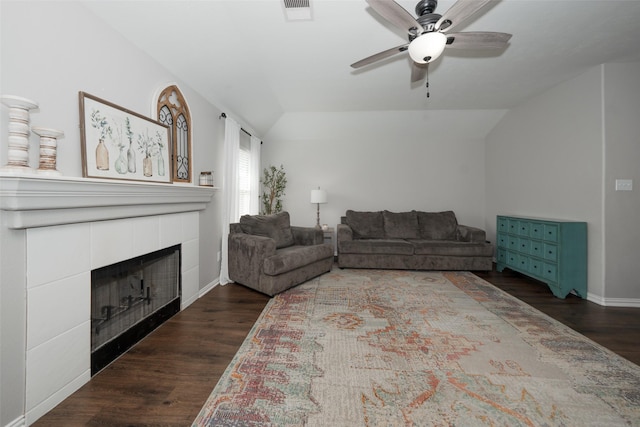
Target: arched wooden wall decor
174, 112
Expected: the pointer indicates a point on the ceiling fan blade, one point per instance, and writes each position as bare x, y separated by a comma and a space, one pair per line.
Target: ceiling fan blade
418, 71
380, 55
477, 40
397, 15
458, 13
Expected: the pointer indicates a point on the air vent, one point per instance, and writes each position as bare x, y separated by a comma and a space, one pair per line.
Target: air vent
296, 3
297, 10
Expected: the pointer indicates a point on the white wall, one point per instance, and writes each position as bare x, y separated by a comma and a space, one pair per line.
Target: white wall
49, 52
395, 160
66, 49
622, 161
558, 155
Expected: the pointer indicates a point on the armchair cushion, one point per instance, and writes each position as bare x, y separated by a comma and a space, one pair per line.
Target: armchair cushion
292, 257
276, 227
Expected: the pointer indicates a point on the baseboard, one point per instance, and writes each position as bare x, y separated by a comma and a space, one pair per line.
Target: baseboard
622, 302
614, 302
18, 422
207, 288
596, 299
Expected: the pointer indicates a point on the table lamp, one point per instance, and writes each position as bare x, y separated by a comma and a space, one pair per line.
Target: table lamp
318, 196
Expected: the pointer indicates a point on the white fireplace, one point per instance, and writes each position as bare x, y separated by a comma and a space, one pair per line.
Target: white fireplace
69, 227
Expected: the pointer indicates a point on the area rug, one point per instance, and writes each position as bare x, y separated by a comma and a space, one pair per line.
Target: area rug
409, 348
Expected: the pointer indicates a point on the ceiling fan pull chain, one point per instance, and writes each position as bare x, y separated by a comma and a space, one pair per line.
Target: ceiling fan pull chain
427, 85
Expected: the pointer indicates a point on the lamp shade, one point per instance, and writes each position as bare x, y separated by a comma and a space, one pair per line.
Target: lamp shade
427, 47
318, 196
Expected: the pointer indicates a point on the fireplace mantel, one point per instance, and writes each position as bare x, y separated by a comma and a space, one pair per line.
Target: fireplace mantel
29, 202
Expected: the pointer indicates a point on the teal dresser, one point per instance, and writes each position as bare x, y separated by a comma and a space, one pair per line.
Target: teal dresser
554, 252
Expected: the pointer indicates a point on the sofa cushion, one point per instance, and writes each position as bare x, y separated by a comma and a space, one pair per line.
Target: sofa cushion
402, 225
275, 226
437, 225
366, 225
451, 248
377, 246
292, 257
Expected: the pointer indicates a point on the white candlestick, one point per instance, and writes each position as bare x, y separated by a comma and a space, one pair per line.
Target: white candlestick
18, 141
48, 150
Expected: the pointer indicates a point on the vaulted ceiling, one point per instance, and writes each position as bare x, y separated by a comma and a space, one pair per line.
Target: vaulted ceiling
247, 57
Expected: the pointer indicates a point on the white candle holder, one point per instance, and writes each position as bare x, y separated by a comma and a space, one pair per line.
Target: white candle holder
18, 143
48, 150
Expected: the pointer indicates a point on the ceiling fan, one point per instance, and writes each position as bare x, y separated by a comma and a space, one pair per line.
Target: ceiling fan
430, 33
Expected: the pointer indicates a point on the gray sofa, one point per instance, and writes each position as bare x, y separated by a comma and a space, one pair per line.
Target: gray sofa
411, 240
269, 255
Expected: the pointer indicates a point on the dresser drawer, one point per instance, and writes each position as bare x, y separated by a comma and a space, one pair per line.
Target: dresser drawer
513, 226
503, 241
503, 225
550, 272
550, 252
523, 228
536, 230
501, 256
536, 248
550, 232
523, 262
512, 259
535, 267
523, 245
513, 243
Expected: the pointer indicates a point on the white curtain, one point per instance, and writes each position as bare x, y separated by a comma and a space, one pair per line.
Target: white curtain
230, 207
254, 173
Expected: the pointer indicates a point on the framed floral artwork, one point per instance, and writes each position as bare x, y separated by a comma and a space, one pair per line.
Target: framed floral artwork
120, 144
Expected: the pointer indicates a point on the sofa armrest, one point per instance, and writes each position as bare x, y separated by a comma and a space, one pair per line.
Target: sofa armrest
307, 236
344, 234
466, 233
246, 255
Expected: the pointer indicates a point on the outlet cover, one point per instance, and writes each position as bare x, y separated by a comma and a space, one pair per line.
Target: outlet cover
624, 185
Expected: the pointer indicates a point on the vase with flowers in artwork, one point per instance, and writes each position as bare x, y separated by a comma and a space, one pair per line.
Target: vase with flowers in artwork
131, 154
121, 162
100, 123
150, 147
161, 169
147, 166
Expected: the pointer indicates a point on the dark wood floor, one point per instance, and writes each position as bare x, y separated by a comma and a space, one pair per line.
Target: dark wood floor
165, 379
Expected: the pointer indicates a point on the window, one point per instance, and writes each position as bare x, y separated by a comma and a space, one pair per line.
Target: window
244, 175
174, 112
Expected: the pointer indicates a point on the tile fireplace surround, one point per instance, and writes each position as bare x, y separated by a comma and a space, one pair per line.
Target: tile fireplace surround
67, 227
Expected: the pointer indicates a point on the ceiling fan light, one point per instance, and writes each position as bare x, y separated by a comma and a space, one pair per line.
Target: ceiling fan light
427, 47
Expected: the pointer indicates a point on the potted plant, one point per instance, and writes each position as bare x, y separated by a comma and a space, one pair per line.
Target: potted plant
273, 182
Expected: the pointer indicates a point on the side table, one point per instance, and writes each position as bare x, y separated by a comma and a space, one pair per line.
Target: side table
329, 237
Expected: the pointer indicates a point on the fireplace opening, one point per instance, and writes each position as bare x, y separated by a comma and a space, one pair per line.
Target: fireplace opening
129, 300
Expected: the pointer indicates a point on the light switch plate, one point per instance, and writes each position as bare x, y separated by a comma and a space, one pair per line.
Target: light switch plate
624, 184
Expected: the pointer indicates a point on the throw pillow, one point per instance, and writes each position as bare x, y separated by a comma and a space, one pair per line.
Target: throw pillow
276, 226
437, 225
403, 225
366, 225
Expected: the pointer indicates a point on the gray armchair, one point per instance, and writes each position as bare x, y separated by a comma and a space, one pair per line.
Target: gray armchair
269, 255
